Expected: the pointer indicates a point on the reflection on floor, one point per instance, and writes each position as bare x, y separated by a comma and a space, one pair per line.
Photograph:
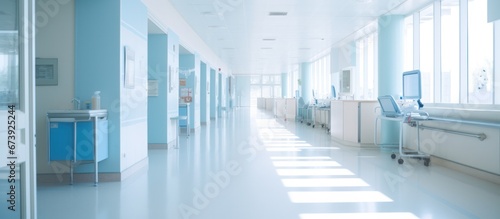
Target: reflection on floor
249, 165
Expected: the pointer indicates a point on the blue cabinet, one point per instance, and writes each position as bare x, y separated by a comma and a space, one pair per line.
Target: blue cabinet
62, 140
78, 136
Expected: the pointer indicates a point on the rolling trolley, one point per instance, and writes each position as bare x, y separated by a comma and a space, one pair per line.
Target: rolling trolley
310, 115
412, 120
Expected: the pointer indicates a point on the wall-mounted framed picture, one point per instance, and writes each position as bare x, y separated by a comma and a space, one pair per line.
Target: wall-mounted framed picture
129, 67
46, 72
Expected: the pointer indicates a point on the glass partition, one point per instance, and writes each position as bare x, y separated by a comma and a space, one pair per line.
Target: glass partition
9, 53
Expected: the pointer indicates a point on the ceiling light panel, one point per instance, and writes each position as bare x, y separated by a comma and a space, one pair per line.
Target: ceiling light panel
278, 13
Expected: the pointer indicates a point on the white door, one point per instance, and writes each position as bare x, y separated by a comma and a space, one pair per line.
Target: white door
17, 122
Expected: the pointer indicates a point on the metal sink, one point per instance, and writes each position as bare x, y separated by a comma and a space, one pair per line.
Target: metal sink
77, 114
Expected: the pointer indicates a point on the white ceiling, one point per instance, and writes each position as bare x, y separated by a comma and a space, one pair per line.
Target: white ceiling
250, 41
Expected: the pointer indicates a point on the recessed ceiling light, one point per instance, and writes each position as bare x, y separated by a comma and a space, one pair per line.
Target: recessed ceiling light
217, 27
208, 13
268, 39
278, 13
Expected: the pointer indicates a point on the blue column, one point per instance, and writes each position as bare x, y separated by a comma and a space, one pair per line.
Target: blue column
284, 84
306, 82
214, 98
493, 10
157, 106
204, 92
220, 102
390, 66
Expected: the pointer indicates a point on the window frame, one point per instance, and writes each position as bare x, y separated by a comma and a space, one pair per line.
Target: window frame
464, 100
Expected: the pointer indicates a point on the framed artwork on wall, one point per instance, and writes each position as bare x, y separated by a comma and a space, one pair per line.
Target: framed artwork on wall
46, 72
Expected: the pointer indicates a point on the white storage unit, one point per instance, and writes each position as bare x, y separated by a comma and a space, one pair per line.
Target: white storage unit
291, 108
279, 108
285, 108
261, 103
353, 121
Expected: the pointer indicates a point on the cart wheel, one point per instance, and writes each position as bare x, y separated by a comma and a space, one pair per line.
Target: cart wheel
322, 126
400, 161
313, 126
393, 156
427, 161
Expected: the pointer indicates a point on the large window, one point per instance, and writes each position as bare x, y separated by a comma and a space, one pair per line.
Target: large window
321, 77
366, 83
266, 86
293, 83
408, 43
255, 92
463, 40
427, 53
480, 48
450, 51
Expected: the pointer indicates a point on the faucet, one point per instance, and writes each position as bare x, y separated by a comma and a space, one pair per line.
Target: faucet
76, 103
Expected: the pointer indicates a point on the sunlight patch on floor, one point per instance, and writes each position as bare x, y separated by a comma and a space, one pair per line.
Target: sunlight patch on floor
374, 215
338, 197
314, 172
325, 182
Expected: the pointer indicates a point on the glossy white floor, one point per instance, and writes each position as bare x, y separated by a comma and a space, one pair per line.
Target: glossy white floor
248, 166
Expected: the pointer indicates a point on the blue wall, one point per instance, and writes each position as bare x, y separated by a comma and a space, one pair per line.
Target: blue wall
229, 92
102, 30
157, 105
97, 64
493, 10
221, 94
213, 94
284, 85
204, 93
306, 82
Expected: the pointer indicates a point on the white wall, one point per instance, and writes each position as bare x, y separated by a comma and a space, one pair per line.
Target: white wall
54, 40
134, 120
173, 95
